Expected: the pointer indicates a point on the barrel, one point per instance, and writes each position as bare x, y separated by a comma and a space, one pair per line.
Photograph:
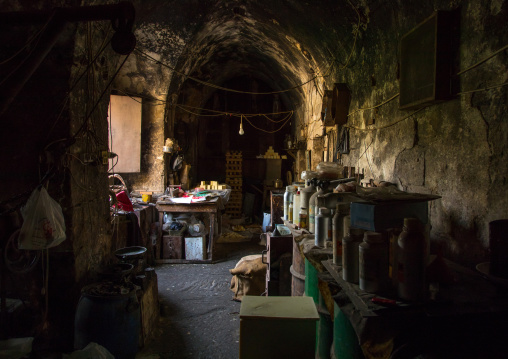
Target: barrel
298, 272
324, 331
311, 281
345, 341
109, 319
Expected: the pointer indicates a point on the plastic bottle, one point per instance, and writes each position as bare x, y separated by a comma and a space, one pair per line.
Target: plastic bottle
306, 194
312, 206
350, 244
411, 259
296, 208
341, 210
287, 198
373, 262
321, 227
303, 220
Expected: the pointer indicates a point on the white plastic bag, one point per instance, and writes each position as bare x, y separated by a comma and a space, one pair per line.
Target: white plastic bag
91, 351
43, 222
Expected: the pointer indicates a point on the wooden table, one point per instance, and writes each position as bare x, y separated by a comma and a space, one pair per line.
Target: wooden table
212, 207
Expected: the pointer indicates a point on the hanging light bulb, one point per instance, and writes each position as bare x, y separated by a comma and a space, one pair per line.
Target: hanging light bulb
241, 126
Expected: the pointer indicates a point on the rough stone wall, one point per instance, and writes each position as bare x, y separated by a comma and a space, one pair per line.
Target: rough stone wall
49, 128
456, 149
90, 219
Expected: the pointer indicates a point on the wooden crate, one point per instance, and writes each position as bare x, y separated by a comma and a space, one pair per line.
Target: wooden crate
234, 180
172, 247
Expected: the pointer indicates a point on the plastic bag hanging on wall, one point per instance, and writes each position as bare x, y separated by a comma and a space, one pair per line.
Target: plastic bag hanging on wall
343, 145
43, 222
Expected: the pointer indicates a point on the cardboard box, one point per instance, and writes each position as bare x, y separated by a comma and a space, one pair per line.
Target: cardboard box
380, 217
277, 327
195, 248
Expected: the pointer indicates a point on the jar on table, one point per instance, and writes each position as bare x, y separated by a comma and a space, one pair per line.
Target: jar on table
373, 262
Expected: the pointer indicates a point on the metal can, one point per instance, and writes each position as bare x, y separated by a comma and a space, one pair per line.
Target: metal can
288, 197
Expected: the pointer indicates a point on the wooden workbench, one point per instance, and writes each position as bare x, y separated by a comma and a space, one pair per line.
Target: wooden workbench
212, 207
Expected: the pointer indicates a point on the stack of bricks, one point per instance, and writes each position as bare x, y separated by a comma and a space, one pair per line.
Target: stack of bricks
234, 180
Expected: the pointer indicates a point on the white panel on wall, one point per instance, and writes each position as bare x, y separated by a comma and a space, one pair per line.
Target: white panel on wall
125, 137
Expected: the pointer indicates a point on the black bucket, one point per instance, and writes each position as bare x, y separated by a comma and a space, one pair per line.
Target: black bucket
111, 319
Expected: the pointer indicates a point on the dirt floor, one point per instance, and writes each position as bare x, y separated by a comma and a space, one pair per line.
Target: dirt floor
198, 319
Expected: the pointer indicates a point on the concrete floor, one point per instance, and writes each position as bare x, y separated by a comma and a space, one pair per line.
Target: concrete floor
198, 319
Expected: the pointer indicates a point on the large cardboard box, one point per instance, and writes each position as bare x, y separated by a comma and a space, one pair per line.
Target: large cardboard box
277, 327
382, 216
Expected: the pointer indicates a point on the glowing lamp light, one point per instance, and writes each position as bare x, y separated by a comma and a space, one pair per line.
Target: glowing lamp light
241, 132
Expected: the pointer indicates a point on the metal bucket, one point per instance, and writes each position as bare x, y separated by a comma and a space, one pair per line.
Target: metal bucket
298, 273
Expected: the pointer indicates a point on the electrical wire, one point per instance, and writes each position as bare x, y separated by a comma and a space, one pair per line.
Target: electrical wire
20, 63
355, 38
376, 106
367, 156
221, 113
483, 89
389, 125
224, 88
73, 86
482, 61
111, 169
132, 96
290, 113
83, 125
260, 129
408, 116
29, 41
